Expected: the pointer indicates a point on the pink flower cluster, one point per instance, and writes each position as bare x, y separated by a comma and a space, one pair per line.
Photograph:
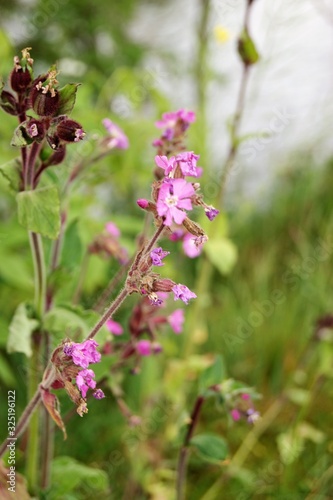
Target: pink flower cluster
83, 354
245, 409
175, 119
116, 139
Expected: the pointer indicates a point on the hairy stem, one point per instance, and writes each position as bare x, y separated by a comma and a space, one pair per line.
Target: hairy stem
37, 251
24, 420
33, 444
184, 452
108, 313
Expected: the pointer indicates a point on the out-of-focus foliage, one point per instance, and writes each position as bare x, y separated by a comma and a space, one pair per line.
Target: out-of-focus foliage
269, 289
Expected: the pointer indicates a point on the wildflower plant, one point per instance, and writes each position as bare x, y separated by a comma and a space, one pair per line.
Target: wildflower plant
44, 132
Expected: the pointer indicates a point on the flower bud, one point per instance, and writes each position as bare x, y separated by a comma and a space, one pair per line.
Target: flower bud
8, 103
43, 96
70, 131
35, 129
20, 78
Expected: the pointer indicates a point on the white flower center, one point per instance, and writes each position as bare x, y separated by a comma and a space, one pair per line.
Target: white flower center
171, 201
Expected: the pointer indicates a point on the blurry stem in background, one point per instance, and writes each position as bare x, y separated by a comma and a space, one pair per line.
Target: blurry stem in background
205, 267
234, 132
183, 456
82, 276
201, 71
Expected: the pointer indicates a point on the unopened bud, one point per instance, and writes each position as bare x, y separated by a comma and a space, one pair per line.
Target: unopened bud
163, 285
44, 97
8, 103
70, 131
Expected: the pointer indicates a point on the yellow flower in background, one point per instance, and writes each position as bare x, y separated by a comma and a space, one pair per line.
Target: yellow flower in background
222, 35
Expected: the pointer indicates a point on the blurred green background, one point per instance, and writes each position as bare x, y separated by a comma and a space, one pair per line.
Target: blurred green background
259, 312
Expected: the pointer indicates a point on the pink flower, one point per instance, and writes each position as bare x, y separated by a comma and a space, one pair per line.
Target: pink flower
188, 164
176, 235
84, 380
235, 415
168, 165
117, 137
252, 415
143, 347
157, 255
211, 212
191, 249
183, 293
176, 320
98, 394
173, 118
83, 354
114, 327
173, 196
112, 229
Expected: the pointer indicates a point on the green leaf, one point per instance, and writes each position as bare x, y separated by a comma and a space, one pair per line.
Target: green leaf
68, 475
210, 447
39, 211
11, 172
20, 138
7, 376
66, 320
247, 49
20, 331
212, 375
67, 98
222, 253
72, 248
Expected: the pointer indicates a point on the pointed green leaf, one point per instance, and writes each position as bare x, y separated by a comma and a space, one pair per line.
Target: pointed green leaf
39, 211
20, 331
20, 138
247, 49
212, 375
210, 447
67, 98
222, 253
11, 172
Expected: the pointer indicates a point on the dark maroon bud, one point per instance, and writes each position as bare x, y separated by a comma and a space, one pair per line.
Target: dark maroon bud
20, 79
57, 156
43, 96
8, 103
70, 131
35, 129
53, 141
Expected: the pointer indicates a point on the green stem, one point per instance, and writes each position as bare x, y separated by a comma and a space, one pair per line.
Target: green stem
33, 444
37, 251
